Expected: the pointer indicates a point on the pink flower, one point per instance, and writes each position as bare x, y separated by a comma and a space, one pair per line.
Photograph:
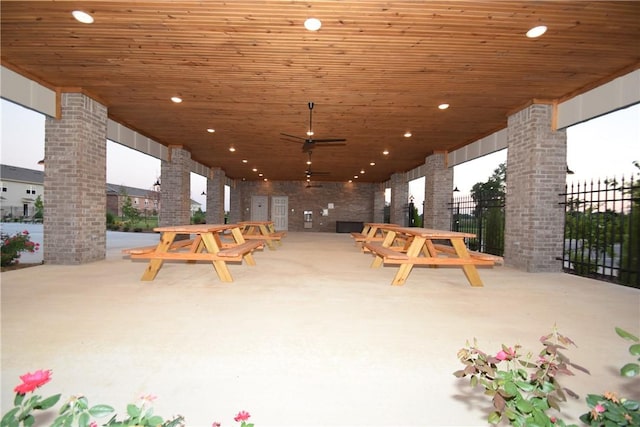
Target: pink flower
505, 355
32, 381
25, 232
553, 420
599, 408
216, 424
242, 416
93, 424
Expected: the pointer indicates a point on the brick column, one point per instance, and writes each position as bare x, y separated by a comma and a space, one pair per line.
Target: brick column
235, 202
438, 184
175, 191
399, 199
215, 196
536, 174
378, 202
75, 182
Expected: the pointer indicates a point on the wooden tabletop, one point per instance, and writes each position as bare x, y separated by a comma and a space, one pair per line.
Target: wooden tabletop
195, 228
432, 233
255, 222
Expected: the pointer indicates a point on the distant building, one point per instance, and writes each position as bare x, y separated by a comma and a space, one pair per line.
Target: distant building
20, 187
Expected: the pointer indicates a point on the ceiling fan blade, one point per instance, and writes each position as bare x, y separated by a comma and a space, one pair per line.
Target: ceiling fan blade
328, 140
293, 136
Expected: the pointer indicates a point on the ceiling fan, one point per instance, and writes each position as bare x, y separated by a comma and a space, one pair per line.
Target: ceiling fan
310, 143
309, 173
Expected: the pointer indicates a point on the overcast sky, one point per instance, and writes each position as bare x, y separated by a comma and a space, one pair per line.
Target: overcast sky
600, 148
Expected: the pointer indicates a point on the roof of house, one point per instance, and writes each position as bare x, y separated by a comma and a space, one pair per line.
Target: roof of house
15, 173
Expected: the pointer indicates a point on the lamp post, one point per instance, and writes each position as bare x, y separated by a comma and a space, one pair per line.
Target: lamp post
412, 219
456, 215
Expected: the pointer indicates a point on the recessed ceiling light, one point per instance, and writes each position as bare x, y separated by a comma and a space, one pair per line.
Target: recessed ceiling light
260, 174
312, 24
372, 164
232, 149
385, 152
443, 106
362, 171
536, 31
83, 17
407, 134
350, 180
245, 161
355, 176
265, 180
210, 130
309, 132
255, 169
176, 99
308, 162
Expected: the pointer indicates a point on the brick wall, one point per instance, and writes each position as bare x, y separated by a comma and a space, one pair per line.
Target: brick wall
175, 192
215, 196
74, 182
351, 201
536, 173
399, 199
438, 187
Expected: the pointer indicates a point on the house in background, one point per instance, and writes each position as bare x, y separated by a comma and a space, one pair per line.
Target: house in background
20, 188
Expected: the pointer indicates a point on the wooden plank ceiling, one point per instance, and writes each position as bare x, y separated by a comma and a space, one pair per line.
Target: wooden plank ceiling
375, 70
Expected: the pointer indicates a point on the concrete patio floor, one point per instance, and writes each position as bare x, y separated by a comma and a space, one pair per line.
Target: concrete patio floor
310, 336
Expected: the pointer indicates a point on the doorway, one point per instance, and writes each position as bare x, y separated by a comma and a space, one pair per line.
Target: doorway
259, 208
280, 212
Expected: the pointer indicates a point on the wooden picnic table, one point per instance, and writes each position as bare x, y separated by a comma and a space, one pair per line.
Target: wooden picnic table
409, 246
371, 232
206, 246
262, 230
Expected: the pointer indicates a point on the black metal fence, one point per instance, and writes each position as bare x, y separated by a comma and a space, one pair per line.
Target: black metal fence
602, 230
482, 217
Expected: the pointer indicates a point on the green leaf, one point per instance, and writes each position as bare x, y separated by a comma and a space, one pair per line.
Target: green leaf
626, 335
474, 381
634, 350
494, 418
28, 421
630, 370
154, 421
631, 405
49, 402
133, 410
83, 421
100, 411
524, 406
9, 416
522, 385
17, 401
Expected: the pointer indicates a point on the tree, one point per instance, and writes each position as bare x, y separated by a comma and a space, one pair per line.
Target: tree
130, 214
39, 205
630, 263
489, 199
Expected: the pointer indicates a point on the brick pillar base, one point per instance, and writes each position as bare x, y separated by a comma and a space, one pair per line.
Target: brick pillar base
75, 182
536, 174
399, 199
175, 192
215, 196
438, 184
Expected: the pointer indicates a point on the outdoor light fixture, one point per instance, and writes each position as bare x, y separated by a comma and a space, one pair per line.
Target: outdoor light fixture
312, 24
407, 134
455, 190
443, 106
176, 99
232, 149
203, 194
211, 130
569, 171
157, 183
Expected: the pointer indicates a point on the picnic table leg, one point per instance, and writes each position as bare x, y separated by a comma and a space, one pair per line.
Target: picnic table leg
154, 264
239, 238
470, 270
388, 240
265, 232
404, 269
220, 266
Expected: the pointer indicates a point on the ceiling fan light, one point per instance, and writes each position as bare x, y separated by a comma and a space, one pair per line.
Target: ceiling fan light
536, 31
83, 17
312, 24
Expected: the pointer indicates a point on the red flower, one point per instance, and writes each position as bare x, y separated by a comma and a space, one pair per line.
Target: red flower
506, 354
32, 381
25, 232
242, 416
